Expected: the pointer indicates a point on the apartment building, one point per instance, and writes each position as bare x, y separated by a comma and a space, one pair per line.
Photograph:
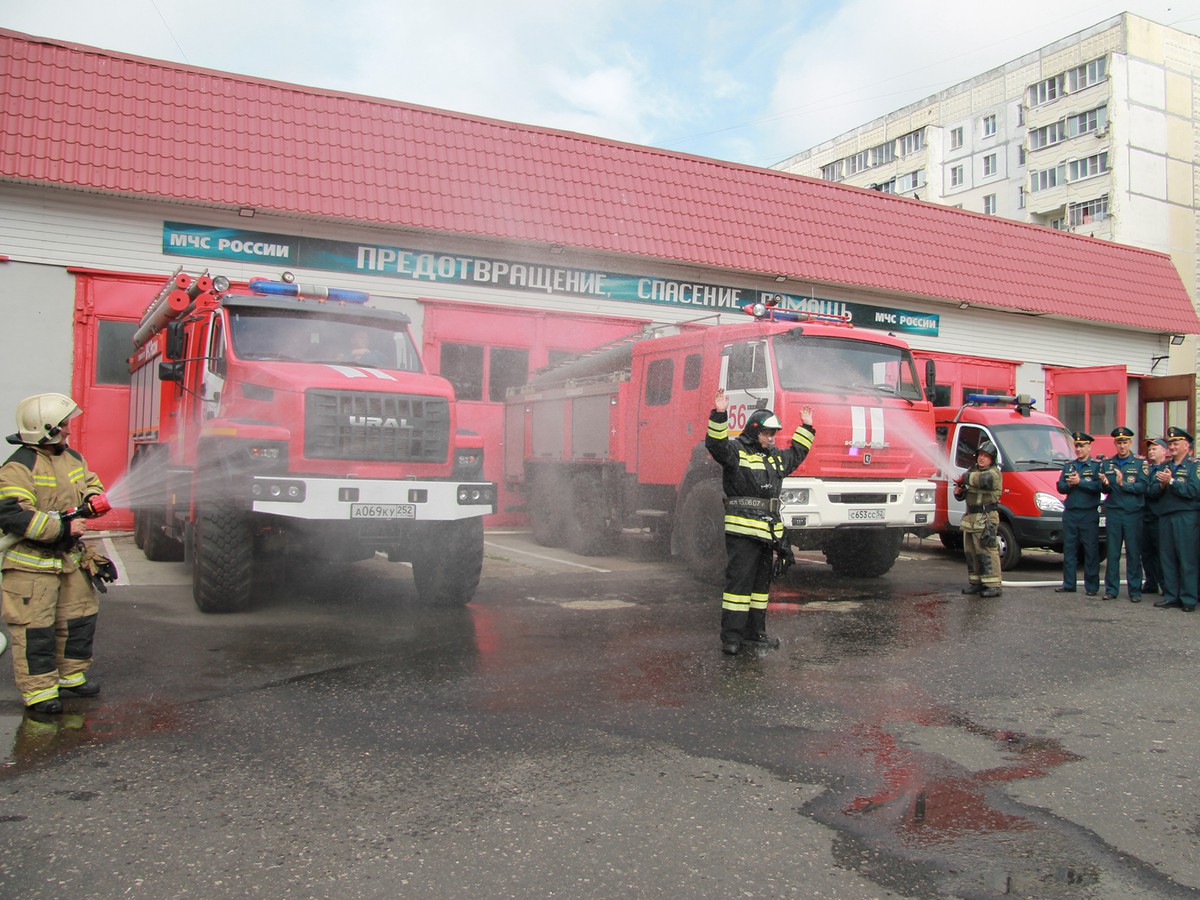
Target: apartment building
1095, 134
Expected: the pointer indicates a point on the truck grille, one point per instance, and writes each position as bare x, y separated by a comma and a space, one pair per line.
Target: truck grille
372, 426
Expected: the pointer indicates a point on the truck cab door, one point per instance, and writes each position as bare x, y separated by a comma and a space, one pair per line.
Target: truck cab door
212, 375
665, 428
966, 441
748, 379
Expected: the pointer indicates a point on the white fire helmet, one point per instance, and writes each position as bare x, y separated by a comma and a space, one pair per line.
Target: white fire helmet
40, 417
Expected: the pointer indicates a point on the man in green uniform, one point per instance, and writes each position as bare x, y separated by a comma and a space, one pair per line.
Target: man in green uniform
1156, 458
1080, 482
1177, 485
980, 487
1123, 483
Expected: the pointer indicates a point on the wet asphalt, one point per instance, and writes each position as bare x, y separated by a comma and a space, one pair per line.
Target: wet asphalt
576, 732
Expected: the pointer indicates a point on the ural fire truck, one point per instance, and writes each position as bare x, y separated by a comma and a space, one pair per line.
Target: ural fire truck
612, 442
290, 419
1033, 448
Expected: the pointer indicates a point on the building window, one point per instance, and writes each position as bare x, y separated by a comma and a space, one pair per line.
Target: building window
884, 153
462, 365
113, 342
833, 171
858, 163
956, 138
1089, 166
956, 176
1021, 197
508, 367
910, 182
989, 205
989, 126
885, 187
1046, 135
1092, 120
1086, 75
1020, 114
913, 142
1045, 91
1047, 178
1021, 155
989, 164
1088, 212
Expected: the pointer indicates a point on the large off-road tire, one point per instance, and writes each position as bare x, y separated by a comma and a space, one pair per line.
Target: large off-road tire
447, 570
1010, 550
701, 532
951, 540
548, 507
222, 558
863, 553
588, 531
156, 543
139, 528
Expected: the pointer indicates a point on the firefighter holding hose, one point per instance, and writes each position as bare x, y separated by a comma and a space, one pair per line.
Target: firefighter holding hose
49, 575
753, 472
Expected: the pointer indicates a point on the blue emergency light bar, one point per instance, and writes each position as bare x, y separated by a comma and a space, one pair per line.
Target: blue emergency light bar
1024, 403
773, 314
307, 291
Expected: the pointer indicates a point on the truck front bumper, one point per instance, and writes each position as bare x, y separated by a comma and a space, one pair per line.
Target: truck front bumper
813, 503
366, 500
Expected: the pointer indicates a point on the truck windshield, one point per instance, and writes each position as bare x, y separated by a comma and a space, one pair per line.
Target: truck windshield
285, 336
838, 366
1027, 447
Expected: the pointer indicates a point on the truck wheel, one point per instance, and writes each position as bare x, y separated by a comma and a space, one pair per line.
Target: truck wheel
222, 559
701, 529
139, 529
447, 571
548, 507
588, 532
1010, 550
951, 540
863, 553
156, 543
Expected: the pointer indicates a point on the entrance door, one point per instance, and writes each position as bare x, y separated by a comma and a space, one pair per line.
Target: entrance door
107, 311
1164, 402
1091, 399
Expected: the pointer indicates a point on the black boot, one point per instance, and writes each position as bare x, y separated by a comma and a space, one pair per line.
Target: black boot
972, 589
53, 706
87, 689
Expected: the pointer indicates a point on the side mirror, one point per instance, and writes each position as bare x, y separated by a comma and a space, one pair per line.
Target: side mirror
930, 379
176, 340
171, 371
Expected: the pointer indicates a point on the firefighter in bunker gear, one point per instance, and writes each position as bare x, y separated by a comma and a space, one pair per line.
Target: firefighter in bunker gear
980, 487
753, 469
49, 606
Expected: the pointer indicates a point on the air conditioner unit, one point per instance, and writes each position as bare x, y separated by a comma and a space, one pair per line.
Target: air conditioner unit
1101, 132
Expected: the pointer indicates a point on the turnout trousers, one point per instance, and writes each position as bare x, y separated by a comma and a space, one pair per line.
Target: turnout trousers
1177, 540
1081, 530
1123, 527
52, 620
747, 583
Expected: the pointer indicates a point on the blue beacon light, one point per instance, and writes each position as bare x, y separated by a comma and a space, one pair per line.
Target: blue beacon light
307, 291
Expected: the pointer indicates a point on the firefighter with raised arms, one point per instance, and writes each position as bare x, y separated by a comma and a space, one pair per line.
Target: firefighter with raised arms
980, 486
753, 469
49, 574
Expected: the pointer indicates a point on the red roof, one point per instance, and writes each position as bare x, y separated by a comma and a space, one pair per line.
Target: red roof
89, 119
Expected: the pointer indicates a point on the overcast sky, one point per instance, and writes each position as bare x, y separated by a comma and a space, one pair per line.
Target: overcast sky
745, 80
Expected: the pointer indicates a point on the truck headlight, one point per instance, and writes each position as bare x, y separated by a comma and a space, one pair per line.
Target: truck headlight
924, 496
794, 496
1048, 502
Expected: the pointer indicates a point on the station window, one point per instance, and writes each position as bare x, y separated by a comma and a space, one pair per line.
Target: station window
462, 364
1093, 413
508, 367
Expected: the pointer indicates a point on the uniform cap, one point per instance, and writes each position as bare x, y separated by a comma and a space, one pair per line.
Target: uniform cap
1175, 432
1158, 441
1121, 432
1081, 437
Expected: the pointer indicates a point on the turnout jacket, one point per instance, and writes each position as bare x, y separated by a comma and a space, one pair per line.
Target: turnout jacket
981, 489
751, 473
43, 482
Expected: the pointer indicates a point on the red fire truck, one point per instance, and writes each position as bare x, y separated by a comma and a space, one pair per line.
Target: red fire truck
612, 442
1033, 447
294, 419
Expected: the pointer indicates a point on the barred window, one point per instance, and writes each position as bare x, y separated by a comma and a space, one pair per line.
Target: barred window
1088, 212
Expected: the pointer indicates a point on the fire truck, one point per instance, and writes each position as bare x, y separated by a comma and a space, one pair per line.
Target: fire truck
1033, 448
294, 420
611, 443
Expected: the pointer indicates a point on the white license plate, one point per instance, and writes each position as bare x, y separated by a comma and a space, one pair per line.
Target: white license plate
866, 515
382, 511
